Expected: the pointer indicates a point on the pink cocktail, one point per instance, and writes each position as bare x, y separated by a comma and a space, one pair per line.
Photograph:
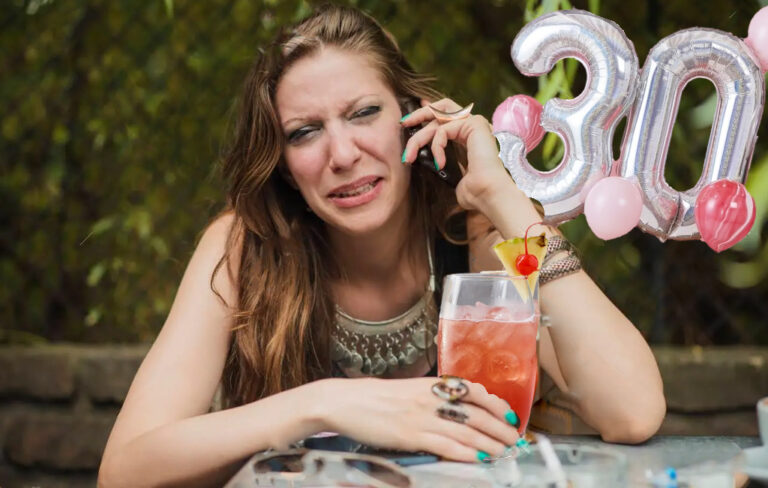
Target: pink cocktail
491, 345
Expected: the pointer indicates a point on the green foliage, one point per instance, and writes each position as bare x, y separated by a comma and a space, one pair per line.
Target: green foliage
115, 113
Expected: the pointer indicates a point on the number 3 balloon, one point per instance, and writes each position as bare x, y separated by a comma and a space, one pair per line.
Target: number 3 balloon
586, 123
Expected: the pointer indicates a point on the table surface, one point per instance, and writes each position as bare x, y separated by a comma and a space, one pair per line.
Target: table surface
656, 454
678, 452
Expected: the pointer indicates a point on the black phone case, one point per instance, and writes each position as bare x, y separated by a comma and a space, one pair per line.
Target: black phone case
450, 173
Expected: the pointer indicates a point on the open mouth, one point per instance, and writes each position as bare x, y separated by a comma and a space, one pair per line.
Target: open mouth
360, 190
353, 196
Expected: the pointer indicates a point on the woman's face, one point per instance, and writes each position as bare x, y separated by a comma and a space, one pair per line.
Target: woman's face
343, 133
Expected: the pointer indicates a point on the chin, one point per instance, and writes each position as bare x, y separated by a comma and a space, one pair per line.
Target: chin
360, 224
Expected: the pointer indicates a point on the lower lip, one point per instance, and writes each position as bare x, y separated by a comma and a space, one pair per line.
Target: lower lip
357, 200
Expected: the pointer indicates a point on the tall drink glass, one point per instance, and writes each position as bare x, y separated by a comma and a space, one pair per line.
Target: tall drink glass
487, 334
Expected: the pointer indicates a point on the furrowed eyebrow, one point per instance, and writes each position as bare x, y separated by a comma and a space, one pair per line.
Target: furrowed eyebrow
346, 109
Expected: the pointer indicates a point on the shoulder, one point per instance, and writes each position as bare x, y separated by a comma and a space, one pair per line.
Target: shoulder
219, 230
218, 254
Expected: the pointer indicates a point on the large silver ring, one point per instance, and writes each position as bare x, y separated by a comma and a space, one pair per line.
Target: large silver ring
452, 411
450, 388
443, 116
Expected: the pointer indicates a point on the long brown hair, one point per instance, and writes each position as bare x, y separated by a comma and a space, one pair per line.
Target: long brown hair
284, 313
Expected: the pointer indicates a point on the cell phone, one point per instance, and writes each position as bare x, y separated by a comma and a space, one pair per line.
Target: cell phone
345, 444
451, 173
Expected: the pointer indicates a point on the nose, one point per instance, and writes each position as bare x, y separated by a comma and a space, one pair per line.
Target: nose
344, 152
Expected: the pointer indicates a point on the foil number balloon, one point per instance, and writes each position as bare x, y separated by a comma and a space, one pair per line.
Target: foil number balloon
586, 123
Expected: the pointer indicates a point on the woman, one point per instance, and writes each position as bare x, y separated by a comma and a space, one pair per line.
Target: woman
328, 227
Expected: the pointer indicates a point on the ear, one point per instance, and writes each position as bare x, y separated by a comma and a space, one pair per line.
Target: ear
287, 176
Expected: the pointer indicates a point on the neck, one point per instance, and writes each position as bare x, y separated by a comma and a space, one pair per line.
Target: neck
380, 256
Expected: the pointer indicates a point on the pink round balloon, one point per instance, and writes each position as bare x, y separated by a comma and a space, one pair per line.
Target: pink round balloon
613, 207
725, 212
757, 37
521, 116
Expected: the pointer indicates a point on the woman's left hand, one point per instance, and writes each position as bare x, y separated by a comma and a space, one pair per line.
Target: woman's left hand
485, 173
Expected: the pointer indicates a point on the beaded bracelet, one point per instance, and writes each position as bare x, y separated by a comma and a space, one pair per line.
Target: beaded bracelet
553, 269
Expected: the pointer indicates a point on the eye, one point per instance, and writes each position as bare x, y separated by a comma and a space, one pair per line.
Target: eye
366, 112
300, 134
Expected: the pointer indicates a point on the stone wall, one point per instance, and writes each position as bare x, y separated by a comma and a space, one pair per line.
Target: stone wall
712, 391
58, 403
57, 406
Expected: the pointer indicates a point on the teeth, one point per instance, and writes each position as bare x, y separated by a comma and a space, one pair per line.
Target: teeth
358, 191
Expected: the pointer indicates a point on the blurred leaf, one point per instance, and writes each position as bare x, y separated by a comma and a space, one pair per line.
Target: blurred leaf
102, 225
550, 143
757, 185
746, 274
94, 276
703, 115
60, 134
10, 128
93, 317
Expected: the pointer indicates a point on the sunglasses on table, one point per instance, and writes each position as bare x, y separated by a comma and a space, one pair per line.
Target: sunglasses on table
300, 467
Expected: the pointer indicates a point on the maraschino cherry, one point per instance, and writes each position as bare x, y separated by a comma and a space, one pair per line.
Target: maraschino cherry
527, 263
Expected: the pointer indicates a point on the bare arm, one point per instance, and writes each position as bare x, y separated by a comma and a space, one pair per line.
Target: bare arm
163, 433
606, 366
592, 351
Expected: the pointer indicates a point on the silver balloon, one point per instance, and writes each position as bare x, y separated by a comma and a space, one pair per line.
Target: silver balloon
677, 59
586, 123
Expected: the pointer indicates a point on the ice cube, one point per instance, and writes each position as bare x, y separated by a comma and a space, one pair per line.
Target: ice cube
466, 361
480, 310
499, 336
520, 313
504, 366
465, 312
500, 314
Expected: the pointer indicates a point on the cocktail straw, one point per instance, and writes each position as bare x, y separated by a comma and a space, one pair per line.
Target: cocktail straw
551, 461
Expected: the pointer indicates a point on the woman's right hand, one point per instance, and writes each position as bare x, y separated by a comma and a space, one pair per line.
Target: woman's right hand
402, 414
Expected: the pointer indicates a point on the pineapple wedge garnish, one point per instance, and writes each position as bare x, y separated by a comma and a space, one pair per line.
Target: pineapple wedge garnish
509, 250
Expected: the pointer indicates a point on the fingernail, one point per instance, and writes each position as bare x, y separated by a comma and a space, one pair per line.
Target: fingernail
402, 119
437, 168
483, 457
523, 445
403, 160
512, 418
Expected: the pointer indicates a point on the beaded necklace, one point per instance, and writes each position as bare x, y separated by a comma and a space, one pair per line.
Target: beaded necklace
379, 348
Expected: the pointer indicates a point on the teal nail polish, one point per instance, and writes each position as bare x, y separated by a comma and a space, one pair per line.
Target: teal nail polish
483, 457
522, 443
403, 159
405, 117
512, 418
437, 168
